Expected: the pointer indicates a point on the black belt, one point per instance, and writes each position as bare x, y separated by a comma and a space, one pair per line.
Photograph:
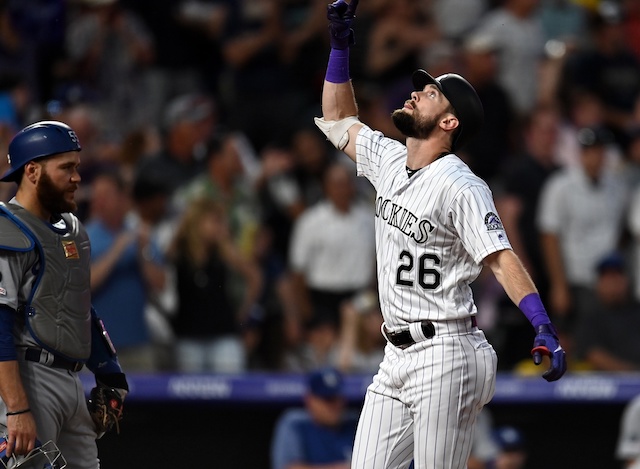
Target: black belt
35, 355
403, 339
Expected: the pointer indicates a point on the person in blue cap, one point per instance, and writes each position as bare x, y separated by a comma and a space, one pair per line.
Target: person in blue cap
321, 434
513, 448
608, 339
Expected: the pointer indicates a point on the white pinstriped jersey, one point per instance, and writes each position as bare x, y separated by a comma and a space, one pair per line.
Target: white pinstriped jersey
432, 231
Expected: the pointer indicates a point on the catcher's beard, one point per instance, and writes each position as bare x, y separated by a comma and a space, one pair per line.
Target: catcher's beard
413, 125
50, 197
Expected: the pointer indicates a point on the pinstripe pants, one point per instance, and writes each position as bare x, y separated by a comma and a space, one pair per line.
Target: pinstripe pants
423, 403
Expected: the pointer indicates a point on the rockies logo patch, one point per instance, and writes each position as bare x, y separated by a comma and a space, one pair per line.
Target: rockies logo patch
492, 222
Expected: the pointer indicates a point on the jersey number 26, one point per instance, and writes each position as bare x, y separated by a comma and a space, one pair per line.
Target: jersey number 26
428, 277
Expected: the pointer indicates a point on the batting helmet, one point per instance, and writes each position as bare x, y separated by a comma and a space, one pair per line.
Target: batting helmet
38, 140
463, 98
45, 456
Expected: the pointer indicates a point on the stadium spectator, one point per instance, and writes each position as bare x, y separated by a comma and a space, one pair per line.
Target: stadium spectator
513, 450
262, 98
488, 151
631, 24
332, 248
456, 18
15, 101
189, 120
580, 218
223, 180
564, 21
302, 45
18, 50
317, 346
320, 435
607, 339
110, 50
607, 68
360, 342
123, 270
400, 32
520, 186
313, 155
150, 202
516, 29
584, 109
212, 322
632, 172
280, 196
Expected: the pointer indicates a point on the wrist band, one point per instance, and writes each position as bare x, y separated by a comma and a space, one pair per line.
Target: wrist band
18, 412
338, 66
532, 307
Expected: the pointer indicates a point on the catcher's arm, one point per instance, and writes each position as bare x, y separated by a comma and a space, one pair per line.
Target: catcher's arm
106, 400
21, 427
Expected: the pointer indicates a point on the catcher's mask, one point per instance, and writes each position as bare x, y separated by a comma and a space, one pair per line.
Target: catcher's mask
43, 456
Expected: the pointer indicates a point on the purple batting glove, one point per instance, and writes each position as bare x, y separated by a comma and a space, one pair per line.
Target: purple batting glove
340, 15
546, 343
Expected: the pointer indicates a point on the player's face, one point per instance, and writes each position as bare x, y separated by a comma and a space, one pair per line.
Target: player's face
420, 115
58, 183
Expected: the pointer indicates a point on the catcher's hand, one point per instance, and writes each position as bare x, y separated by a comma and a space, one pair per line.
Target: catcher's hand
340, 15
105, 406
546, 343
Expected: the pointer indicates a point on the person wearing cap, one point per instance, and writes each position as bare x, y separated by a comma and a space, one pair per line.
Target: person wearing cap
320, 435
513, 448
189, 120
49, 330
580, 218
436, 227
608, 338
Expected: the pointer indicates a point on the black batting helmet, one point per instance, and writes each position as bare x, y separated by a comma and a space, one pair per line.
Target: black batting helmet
463, 98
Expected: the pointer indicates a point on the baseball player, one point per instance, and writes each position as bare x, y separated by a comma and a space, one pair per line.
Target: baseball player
436, 227
48, 329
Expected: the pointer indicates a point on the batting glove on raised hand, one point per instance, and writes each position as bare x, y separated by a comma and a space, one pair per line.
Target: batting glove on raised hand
340, 15
546, 343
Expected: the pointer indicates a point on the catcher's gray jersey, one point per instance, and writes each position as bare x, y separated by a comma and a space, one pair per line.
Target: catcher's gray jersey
432, 231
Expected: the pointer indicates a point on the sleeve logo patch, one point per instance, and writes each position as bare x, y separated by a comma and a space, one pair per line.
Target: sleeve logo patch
492, 222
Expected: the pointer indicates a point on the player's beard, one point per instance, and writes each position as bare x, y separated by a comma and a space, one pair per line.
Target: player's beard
414, 126
51, 198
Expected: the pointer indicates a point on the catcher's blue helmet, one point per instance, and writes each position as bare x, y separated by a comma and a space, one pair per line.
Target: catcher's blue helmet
463, 98
38, 140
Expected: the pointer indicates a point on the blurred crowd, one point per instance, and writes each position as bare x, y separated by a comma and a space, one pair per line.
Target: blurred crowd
228, 235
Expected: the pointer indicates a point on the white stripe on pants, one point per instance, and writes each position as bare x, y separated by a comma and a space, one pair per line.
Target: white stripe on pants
423, 403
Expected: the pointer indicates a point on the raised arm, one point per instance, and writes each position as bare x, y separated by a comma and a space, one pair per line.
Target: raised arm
339, 120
